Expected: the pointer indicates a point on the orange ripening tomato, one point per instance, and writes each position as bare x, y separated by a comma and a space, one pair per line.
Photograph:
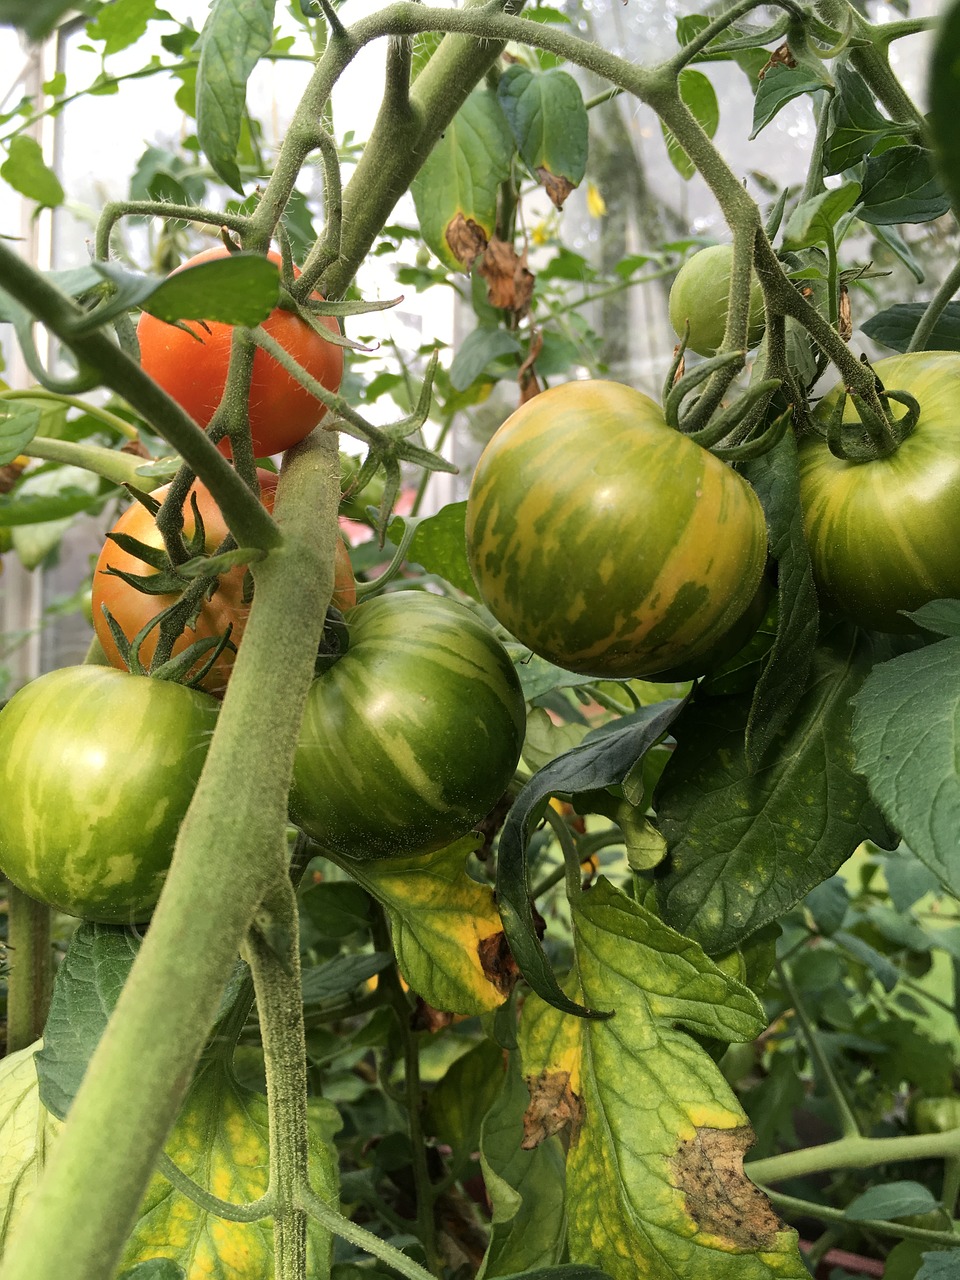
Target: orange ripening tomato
192, 369
133, 609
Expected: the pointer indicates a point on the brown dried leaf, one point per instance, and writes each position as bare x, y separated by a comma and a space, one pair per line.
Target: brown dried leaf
509, 281
719, 1197
553, 1106
9, 475
556, 188
466, 239
845, 326
497, 962
781, 56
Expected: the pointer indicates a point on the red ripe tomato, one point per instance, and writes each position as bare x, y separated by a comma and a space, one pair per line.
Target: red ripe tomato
133, 609
192, 369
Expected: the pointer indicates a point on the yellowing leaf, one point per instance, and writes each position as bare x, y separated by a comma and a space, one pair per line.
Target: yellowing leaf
446, 928
655, 1181
26, 1130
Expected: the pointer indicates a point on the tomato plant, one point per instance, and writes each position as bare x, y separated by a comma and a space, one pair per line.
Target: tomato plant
227, 606
607, 542
98, 769
700, 297
190, 363
884, 535
411, 737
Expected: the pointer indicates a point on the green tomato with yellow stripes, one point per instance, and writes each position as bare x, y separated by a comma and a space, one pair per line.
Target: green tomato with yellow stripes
884, 535
607, 542
97, 769
411, 737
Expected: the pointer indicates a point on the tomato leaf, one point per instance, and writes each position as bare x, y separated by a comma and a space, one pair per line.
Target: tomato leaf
904, 732
121, 23
944, 95
526, 1187
895, 326
700, 96
893, 1200
784, 677
26, 172
813, 222
456, 1106
941, 616
340, 976
779, 86
242, 288
548, 119
438, 545
455, 193
26, 1132
900, 186
856, 125
236, 34
599, 761
477, 352
19, 423
745, 847
445, 927
652, 1121
154, 1269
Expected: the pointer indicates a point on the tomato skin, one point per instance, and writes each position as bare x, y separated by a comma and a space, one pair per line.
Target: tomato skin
133, 609
700, 295
97, 769
885, 535
411, 738
192, 369
604, 540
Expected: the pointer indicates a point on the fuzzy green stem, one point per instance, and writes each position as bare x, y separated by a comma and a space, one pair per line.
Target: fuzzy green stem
111, 420
274, 955
230, 849
31, 968
696, 46
117, 209
245, 515
571, 858
814, 183
119, 468
854, 1153
359, 1236
253, 1211
935, 309
870, 58
809, 1208
849, 1126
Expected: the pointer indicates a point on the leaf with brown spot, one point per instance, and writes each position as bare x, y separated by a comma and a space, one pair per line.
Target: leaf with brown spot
509, 281
440, 918
655, 1183
557, 188
553, 1106
455, 192
497, 962
549, 121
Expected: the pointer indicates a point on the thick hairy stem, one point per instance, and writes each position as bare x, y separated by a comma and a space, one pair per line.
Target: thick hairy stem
274, 954
31, 968
871, 60
230, 850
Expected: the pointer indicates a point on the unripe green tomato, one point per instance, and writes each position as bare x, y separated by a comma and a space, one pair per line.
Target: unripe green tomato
935, 1115
700, 294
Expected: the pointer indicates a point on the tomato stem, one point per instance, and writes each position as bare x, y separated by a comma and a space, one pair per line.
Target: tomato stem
31, 968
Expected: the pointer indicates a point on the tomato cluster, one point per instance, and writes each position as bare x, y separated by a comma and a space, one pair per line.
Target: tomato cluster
607, 542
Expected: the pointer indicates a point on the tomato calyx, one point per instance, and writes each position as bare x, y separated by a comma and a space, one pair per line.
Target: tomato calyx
334, 642
878, 436
175, 669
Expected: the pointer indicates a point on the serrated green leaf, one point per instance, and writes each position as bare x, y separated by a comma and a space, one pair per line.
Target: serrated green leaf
338, 977
895, 242
856, 124
121, 23
235, 36
538, 676
24, 169
526, 1187
19, 423
439, 545
779, 86
456, 1106
654, 1127
813, 222
895, 327
937, 1266
700, 97
894, 1200
548, 119
783, 680
477, 352
445, 927
240, 289
601, 760
455, 193
746, 847
899, 185
905, 728
940, 616
154, 1269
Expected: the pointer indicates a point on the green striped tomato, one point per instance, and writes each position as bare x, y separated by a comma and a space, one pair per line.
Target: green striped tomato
97, 768
411, 737
885, 535
607, 542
